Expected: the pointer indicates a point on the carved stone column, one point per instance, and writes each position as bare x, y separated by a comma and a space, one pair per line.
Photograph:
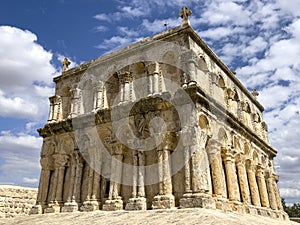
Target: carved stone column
126, 82
76, 102
271, 191
138, 200
218, 175
189, 60
253, 183
262, 186
51, 111
43, 187
100, 98
276, 190
91, 202
232, 181
217, 172
55, 113
156, 83
56, 199
71, 205
197, 174
115, 201
243, 180
75, 189
231, 101
165, 199
231, 176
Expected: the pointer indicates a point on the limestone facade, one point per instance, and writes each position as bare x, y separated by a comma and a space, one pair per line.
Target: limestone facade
16, 200
194, 136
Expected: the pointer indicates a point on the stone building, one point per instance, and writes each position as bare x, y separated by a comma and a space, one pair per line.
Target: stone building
161, 123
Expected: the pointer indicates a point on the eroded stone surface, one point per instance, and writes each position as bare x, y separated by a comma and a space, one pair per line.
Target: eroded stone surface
211, 151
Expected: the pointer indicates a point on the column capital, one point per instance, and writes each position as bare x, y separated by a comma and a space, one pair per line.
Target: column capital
153, 68
60, 160
125, 77
169, 142
46, 163
118, 148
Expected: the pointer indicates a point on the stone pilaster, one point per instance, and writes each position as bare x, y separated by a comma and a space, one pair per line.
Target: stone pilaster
262, 186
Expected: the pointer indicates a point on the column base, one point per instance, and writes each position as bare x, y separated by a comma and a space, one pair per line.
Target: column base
139, 203
163, 202
70, 207
251, 209
36, 209
222, 204
196, 200
52, 208
238, 207
113, 205
89, 206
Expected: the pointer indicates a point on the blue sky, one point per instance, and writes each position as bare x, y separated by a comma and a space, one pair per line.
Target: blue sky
258, 39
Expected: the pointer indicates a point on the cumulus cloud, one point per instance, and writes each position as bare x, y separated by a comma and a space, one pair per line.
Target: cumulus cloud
25, 74
260, 41
20, 156
26, 84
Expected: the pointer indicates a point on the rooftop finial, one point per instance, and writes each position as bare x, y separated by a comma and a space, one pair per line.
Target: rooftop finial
65, 64
254, 93
184, 14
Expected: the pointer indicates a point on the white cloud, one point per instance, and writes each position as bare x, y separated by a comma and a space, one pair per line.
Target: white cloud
25, 74
114, 42
100, 28
28, 180
22, 60
20, 156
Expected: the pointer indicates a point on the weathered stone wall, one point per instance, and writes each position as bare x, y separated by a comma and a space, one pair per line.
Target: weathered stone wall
16, 200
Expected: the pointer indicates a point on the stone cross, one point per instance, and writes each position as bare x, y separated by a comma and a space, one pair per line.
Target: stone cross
184, 14
65, 64
254, 93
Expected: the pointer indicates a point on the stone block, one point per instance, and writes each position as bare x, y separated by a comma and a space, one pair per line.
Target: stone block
53, 208
163, 202
89, 206
200, 200
70, 207
136, 204
113, 205
223, 204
